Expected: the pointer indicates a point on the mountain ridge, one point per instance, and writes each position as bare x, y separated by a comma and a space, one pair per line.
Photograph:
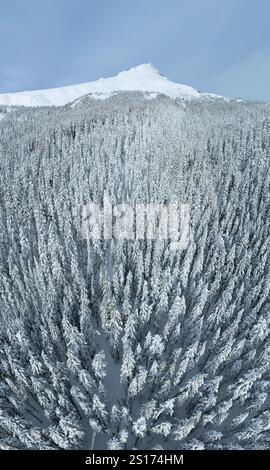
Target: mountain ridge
145, 78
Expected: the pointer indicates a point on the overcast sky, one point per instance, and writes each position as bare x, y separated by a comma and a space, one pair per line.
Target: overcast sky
219, 46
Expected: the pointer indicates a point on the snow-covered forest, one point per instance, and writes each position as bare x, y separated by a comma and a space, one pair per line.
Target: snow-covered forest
126, 343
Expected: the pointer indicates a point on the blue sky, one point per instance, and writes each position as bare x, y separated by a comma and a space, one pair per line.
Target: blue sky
220, 46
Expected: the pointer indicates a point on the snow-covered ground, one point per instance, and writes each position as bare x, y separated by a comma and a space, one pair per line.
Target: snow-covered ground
143, 78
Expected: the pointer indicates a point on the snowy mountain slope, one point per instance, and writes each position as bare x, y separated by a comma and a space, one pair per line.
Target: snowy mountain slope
143, 78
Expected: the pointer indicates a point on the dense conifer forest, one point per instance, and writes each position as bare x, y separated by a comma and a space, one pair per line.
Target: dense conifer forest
126, 343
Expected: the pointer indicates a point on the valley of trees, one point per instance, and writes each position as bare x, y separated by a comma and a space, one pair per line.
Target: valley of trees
128, 344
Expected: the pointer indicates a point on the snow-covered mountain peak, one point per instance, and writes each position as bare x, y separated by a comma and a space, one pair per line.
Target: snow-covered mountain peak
143, 70
145, 78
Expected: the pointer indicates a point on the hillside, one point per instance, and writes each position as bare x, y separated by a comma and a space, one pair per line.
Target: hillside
144, 78
121, 341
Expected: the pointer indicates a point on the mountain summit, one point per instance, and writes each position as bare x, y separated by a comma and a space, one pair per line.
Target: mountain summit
144, 78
